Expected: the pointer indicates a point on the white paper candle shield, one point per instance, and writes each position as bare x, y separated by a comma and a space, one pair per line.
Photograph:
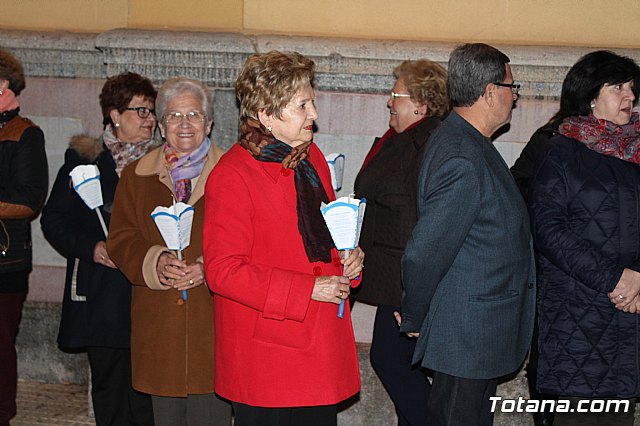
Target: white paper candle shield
174, 223
335, 162
86, 182
344, 220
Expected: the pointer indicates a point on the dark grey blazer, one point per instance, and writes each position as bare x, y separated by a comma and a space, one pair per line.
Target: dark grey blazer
468, 269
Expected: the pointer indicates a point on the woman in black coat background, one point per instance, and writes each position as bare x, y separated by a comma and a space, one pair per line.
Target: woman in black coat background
97, 297
388, 180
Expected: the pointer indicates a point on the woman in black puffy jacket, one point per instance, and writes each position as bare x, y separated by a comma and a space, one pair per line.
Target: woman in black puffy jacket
584, 202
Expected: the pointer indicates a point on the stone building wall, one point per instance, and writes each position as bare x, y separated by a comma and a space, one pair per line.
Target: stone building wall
66, 72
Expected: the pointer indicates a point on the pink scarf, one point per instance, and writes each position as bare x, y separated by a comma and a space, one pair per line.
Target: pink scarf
124, 153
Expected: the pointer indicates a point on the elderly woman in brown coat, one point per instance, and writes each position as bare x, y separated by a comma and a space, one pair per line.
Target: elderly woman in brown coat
172, 335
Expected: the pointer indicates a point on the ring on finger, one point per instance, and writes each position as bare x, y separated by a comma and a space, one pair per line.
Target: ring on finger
191, 282
340, 294
620, 297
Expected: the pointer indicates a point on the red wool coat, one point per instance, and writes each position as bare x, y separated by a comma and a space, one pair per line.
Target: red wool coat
275, 347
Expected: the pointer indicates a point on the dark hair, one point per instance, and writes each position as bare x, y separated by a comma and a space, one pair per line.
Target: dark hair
118, 91
585, 79
472, 67
11, 70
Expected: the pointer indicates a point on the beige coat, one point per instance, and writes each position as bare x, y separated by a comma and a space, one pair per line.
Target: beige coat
172, 349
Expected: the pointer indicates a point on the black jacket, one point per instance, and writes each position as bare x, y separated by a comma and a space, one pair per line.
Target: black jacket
389, 183
522, 169
24, 181
585, 214
96, 303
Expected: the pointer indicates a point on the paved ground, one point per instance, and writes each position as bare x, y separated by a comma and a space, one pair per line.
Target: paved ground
52, 405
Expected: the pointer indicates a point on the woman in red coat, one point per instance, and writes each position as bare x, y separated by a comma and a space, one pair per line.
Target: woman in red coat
281, 350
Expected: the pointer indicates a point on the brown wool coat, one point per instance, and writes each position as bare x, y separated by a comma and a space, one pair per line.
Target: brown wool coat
172, 349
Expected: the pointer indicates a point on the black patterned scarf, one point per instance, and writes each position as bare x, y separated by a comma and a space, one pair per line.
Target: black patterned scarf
309, 190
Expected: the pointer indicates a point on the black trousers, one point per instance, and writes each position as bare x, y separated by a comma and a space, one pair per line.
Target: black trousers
455, 401
10, 314
115, 402
391, 354
247, 415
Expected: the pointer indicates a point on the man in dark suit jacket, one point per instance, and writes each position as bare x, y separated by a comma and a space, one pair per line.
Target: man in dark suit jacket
468, 270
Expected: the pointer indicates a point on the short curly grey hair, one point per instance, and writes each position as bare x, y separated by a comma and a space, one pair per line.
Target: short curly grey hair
179, 86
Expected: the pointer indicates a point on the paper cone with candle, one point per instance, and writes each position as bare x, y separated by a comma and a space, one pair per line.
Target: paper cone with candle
86, 182
344, 220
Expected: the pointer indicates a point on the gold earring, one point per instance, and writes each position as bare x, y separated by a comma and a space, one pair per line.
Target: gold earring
416, 112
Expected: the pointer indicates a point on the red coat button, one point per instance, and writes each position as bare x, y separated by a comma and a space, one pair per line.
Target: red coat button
285, 172
317, 271
180, 302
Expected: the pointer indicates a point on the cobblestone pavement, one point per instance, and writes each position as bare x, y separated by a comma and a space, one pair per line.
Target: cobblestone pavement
52, 405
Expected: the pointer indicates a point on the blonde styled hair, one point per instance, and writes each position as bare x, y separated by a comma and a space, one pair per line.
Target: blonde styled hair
426, 82
268, 82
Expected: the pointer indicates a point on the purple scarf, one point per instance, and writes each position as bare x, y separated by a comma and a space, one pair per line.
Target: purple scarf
185, 168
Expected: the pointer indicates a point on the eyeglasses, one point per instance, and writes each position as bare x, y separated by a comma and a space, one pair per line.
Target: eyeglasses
143, 112
395, 95
192, 117
514, 86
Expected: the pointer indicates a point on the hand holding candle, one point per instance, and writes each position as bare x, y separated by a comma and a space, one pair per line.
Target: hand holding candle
174, 224
344, 220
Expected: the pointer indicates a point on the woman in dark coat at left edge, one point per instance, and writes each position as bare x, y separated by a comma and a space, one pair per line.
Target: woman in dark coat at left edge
97, 296
23, 188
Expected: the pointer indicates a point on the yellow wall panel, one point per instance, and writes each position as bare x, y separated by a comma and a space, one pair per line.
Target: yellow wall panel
70, 15
187, 14
563, 22
569, 22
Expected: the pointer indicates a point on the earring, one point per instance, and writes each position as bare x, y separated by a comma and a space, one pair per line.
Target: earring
117, 124
416, 112
269, 128
593, 105
1, 92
